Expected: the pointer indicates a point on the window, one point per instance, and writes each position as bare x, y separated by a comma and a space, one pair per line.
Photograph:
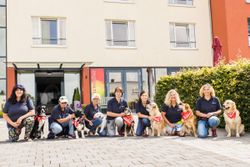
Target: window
49, 31
247, 1
181, 2
2, 42
2, 68
2, 2
248, 31
182, 35
2, 17
120, 33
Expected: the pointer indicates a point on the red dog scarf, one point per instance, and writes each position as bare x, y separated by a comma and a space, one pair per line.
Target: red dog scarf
157, 119
232, 115
128, 120
39, 118
186, 115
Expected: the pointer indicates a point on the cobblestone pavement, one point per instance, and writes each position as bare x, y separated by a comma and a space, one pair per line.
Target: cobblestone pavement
131, 151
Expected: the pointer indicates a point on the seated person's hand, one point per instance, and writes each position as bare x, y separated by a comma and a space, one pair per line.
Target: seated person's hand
90, 123
19, 121
15, 124
122, 114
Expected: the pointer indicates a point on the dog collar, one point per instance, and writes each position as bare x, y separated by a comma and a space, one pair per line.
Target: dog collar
39, 118
232, 115
186, 115
157, 119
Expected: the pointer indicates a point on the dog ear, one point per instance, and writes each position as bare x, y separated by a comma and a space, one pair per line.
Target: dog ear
234, 105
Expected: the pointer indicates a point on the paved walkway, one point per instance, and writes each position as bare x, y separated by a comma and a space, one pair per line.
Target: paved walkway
131, 151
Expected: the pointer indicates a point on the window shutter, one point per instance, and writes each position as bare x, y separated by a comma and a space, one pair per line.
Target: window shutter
172, 34
131, 38
192, 35
108, 33
61, 31
36, 30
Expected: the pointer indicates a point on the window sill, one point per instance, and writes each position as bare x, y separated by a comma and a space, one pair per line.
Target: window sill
120, 47
181, 5
181, 48
117, 1
49, 46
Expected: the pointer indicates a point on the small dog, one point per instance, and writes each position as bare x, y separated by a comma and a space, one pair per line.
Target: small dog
128, 122
232, 119
189, 121
78, 123
157, 123
103, 125
39, 122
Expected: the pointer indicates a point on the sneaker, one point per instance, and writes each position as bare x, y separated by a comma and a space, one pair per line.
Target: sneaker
71, 136
121, 133
214, 134
51, 135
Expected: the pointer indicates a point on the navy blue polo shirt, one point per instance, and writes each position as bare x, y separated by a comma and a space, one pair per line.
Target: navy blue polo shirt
18, 109
207, 106
57, 112
116, 107
90, 111
139, 108
173, 114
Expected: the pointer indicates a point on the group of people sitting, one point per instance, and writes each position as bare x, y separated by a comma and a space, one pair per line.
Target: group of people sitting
19, 112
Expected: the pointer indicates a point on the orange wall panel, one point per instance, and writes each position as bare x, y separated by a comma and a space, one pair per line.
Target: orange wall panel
11, 80
85, 85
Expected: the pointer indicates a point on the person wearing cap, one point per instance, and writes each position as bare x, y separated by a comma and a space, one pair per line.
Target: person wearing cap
19, 112
89, 112
115, 112
61, 118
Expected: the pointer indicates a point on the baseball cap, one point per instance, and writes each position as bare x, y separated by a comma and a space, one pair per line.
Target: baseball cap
63, 99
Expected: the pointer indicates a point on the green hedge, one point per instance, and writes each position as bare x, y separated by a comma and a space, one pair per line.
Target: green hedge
231, 81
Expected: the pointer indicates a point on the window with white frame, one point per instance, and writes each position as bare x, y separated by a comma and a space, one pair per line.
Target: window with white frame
182, 35
181, 2
248, 31
49, 31
120, 33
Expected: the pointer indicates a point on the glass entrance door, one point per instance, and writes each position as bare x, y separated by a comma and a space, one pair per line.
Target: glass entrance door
129, 79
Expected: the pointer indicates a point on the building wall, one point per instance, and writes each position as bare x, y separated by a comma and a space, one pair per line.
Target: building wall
231, 26
85, 29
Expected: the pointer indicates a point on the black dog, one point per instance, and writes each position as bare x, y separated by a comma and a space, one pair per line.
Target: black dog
38, 128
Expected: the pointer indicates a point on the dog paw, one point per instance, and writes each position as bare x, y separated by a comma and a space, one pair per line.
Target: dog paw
237, 135
228, 135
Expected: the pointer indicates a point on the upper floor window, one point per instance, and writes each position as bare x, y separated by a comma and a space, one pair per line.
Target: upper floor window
181, 2
2, 2
120, 33
182, 35
2, 17
49, 31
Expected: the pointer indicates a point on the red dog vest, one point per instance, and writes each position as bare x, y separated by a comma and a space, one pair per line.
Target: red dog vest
128, 120
157, 119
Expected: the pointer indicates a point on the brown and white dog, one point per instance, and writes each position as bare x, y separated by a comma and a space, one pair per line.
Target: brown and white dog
157, 122
232, 119
189, 121
129, 123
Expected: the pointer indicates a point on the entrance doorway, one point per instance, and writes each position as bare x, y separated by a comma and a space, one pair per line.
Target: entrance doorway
49, 87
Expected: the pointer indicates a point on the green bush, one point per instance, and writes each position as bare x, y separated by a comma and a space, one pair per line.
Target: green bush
230, 81
1, 114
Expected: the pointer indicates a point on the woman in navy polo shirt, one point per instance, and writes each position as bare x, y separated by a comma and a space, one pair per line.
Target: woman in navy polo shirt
115, 112
171, 112
89, 112
19, 112
143, 114
208, 107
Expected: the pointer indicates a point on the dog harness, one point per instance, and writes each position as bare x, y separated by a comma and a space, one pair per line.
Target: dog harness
232, 115
157, 119
186, 115
128, 120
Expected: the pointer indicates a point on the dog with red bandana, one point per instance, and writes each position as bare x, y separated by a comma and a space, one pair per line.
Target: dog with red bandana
232, 119
188, 121
129, 123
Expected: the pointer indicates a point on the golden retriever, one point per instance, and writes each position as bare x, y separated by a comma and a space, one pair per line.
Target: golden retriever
157, 122
232, 119
189, 121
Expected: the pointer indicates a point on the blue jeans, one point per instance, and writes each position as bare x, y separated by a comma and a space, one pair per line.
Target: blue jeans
142, 124
96, 122
204, 125
57, 128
